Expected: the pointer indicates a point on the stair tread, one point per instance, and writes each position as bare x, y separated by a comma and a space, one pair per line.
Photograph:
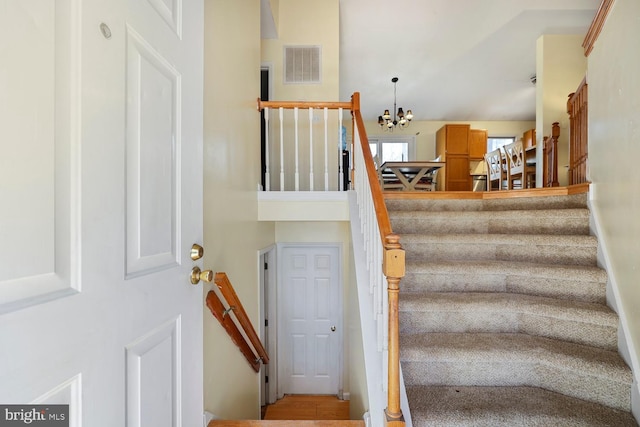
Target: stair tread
507, 406
529, 213
513, 348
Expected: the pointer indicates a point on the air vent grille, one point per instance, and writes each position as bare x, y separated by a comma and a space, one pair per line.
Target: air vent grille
302, 64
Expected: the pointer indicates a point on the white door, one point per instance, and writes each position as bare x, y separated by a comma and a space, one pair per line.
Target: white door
100, 202
309, 325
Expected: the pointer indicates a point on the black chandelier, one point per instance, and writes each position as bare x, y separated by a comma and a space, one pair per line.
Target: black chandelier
399, 119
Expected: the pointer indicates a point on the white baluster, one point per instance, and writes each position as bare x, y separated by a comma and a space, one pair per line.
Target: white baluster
281, 149
297, 172
267, 174
310, 148
340, 171
326, 149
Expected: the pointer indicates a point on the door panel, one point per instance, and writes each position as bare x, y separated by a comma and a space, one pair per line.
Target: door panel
310, 321
101, 198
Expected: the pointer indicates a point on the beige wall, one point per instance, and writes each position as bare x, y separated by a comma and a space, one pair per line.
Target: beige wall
560, 67
305, 22
426, 130
233, 235
614, 147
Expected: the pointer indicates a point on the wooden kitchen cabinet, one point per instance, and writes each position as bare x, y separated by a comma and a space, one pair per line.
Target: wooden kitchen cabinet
452, 146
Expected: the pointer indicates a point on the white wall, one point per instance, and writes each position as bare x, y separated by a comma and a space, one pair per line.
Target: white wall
233, 235
614, 149
560, 67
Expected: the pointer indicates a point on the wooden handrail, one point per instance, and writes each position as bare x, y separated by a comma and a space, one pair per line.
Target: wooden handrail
596, 26
223, 283
393, 268
222, 314
303, 104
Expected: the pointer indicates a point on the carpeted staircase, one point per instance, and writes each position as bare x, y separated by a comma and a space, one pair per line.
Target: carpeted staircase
503, 318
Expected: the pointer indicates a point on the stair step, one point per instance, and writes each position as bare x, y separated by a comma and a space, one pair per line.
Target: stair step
575, 370
577, 322
549, 249
507, 407
555, 221
512, 203
583, 283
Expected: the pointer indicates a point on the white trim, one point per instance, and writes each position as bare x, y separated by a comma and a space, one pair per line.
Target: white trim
270, 253
295, 196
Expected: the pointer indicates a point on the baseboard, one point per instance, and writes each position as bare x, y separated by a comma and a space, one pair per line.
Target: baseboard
626, 347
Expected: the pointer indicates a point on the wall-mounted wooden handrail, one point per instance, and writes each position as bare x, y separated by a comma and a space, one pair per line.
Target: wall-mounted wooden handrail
222, 313
223, 283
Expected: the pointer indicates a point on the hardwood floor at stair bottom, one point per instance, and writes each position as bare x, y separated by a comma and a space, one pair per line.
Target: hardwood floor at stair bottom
304, 407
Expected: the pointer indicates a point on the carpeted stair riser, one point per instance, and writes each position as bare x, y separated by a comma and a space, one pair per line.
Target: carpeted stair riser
504, 298
562, 249
577, 322
571, 221
508, 407
576, 201
564, 282
575, 370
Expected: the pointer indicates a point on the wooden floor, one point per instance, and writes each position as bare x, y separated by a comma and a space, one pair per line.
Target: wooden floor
300, 411
308, 407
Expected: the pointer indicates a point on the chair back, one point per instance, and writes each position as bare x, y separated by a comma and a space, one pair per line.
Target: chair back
515, 156
493, 160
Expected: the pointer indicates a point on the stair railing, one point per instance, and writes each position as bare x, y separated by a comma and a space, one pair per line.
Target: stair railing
254, 353
385, 258
297, 140
578, 134
550, 158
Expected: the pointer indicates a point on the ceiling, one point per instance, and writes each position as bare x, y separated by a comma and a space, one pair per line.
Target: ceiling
455, 59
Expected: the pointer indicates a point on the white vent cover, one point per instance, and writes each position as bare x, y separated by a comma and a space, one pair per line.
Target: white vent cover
302, 64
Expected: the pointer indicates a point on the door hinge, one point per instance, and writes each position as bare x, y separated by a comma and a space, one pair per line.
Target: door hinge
266, 378
266, 323
266, 266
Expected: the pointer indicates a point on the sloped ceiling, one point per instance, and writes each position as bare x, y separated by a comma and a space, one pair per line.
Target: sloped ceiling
455, 59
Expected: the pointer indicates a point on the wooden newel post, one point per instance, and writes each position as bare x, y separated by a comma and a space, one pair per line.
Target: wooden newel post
393, 267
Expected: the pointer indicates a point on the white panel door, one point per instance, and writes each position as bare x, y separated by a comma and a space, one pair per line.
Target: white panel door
309, 326
100, 202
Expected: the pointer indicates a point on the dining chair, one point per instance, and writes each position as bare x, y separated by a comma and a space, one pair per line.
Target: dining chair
519, 174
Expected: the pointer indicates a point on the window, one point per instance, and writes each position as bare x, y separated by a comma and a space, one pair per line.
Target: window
495, 142
393, 149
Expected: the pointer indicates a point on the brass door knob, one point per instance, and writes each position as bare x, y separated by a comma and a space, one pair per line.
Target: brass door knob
196, 252
197, 275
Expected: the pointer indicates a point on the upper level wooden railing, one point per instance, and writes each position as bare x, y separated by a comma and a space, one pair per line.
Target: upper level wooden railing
577, 108
298, 173
383, 251
596, 26
253, 354
550, 158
